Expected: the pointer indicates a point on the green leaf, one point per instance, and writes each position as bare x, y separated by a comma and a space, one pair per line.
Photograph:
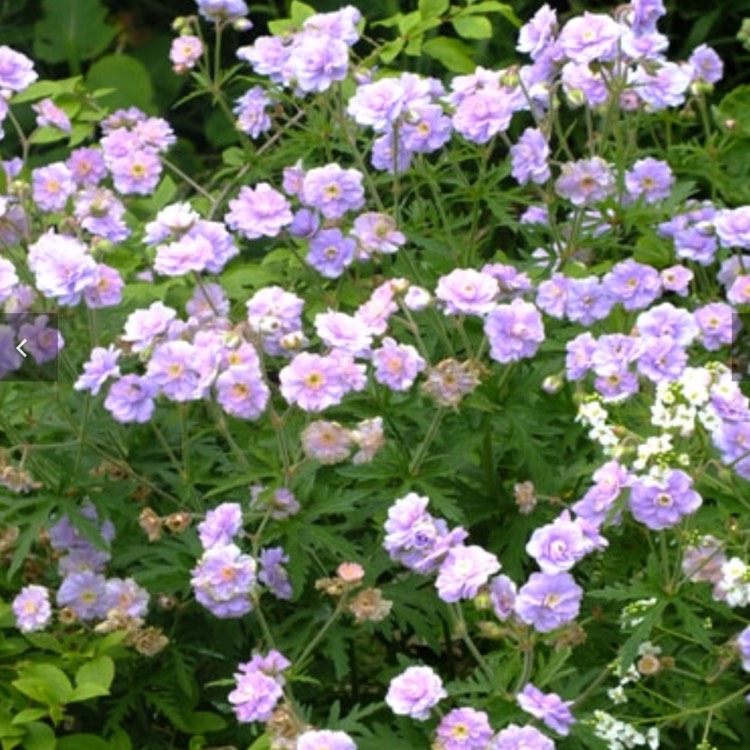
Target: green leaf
301, 12
472, 27
29, 714
432, 8
39, 737
47, 135
204, 721
455, 55
71, 31
128, 78
47, 89
262, 743
390, 50
491, 6
165, 192
735, 107
45, 683
82, 742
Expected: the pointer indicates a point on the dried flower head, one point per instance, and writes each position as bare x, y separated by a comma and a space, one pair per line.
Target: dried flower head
178, 522
450, 380
151, 523
370, 606
525, 496
150, 641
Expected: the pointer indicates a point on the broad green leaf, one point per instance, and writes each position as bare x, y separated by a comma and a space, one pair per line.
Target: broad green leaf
301, 12
262, 743
733, 111
472, 27
491, 6
45, 683
39, 737
47, 135
99, 672
432, 8
204, 721
389, 51
45, 89
165, 192
29, 714
72, 30
82, 742
127, 77
455, 55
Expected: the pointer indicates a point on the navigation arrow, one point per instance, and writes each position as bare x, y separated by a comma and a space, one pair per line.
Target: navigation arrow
21, 351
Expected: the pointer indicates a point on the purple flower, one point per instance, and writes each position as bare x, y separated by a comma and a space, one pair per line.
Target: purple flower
739, 292
396, 365
376, 233
416, 539
548, 601
43, 342
552, 295
650, 178
330, 252
255, 696
426, 130
315, 62
537, 35
272, 572
706, 64
126, 597
345, 332
464, 729
733, 227
326, 442
312, 382
578, 359
663, 88
220, 525
483, 114
661, 505
272, 313
333, 190
251, 111
325, 739
242, 392
529, 157
503, 593
514, 737
143, 326
48, 114
548, 707
633, 284
259, 212
645, 14
587, 300
743, 646
558, 546
715, 321
85, 594
662, 358
676, 279
180, 371
32, 608
585, 181
52, 186
184, 52
596, 504
222, 10
137, 172
223, 580
16, 70
465, 291
62, 267
414, 692
131, 399
514, 331
590, 37
464, 571
378, 104
8, 279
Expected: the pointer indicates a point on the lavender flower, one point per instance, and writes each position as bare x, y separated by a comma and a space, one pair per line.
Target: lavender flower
502, 593
32, 609
537, 35
144, 326
315, 62
464, 571
131, 399
529, 157
252, 112
184, 52
715, 323
585, 182
376, 234
223, 580
663, 504
325, 739
312, 382
330, 252
464, 729
396, 365
558, 546
85, 594
743, 646
649, 178
465, 291
633, 284
272, 572
548, 601
16, 70
414, 692
548, 707
259, 212
220, 525
515, 331
332, 190
126, 597
514, 737
326, 442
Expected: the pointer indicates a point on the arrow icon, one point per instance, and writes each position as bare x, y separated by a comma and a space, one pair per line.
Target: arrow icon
21, 351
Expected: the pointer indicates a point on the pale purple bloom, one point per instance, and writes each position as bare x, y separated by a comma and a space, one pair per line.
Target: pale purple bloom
101, 213
252, 112
272, 312
62, 266
414, 692
43, 342
733, 227
587, 300
552, 295
137, 172
52, 186
585, 181
330, 252
341, 331
389, 153
180, 371
255, 695
8, 278
739, 291
85, 594
589, 37
48, 114
315, 62
326, 442
502, 593
208, 301
333, 190
325, 739
584, 86
242, 392
222, 10
187, 254
665, 87
272, 572
548, 601
483, 114
426, 130
514, 737
715, 323
558, 546
645, 14
707, 65
667, 320
259, 212
464, 571
743, 646
223, 580
376, 233
220, 525
515, 331
144, 326
579, 353
676, 279
650, 178
614, 353
16, 70
596, 505
703, 562
131, 399
465, 291
378, 104
32, 608
185, 51
529, 157
396, 365
633, 284
537, 35
416, 539
549, 707
312, 382
661, 505
126, 597
464, 729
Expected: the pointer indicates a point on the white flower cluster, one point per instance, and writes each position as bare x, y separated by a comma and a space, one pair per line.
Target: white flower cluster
735, 583
632, 614
620, 735
630, 675
594, 415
